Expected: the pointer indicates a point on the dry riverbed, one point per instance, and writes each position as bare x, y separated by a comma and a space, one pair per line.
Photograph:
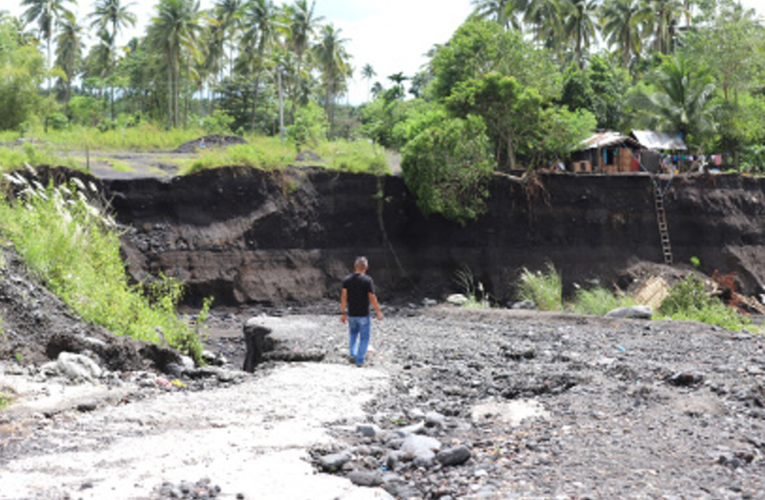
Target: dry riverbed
454, 403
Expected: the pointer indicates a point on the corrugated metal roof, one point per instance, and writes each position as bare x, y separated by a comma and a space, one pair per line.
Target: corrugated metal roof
607, 139
659, 141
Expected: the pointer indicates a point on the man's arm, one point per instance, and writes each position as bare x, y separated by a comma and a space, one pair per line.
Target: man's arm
343, 304
373, 301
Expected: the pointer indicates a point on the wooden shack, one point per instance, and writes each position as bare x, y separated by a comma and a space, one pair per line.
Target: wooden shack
607, 152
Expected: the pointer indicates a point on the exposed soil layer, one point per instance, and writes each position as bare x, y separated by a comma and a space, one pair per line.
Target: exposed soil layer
37, 327
245, 236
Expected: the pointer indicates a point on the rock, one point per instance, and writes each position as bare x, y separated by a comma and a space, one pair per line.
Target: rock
367, 430
635, 312
524, 305
433, 418
334, 462
213, 358
257, 341
87, 406
421, 449
366, 478
77, 368
685, 379
429, 302
417, 428
457, 299
454, 456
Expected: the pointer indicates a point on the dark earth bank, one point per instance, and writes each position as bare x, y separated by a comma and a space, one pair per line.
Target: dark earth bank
246, 236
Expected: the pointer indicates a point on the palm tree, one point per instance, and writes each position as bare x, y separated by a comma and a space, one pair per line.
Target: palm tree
262, 20
580, 25
621, 21
111, 13
302, 24
46, 13
68, 52
213, 37
333, 60
544, 15
175, 27
367, 73
682, 102
666, 16
501, 11
228, 13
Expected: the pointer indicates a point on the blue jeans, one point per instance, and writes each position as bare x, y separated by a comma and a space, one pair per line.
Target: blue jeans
359, 328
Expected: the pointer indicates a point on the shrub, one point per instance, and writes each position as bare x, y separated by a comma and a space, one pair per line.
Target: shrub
688, 300
70, 244
598, 301
447, 167
475, 293
544, 289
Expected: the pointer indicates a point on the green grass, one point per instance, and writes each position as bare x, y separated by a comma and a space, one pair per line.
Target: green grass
144, 137
242, 155
5, 400
598, 301
67, 242
688, 300
34, 155
268, 153
116, 165
544, 289
354, 156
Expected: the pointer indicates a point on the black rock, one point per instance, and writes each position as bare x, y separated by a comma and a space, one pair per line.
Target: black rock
454, 456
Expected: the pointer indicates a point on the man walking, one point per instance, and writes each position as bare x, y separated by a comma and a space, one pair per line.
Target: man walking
358, 294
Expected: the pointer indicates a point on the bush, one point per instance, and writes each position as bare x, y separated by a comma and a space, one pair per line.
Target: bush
448, 166
73, 247
688, 300
218, 123
544, 289
598, 301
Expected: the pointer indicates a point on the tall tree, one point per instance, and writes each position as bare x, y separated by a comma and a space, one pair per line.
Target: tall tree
111, 14
68, 52
367, 73
621, 21
333, 59
580, 25
261, 18
174, 28
46, 13
503, 12
666, 17
544, 15
302, 25
229, 13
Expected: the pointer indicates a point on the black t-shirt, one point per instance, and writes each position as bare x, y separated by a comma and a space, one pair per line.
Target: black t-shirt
359, 287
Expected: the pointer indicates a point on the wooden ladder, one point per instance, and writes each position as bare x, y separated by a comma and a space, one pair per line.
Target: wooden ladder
661, 219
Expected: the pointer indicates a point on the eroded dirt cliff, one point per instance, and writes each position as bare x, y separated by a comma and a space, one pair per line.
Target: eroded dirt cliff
245, 236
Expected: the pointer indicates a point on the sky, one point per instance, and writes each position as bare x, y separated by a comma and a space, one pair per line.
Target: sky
391, 35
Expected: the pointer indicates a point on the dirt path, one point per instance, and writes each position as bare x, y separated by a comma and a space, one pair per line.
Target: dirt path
251, 439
